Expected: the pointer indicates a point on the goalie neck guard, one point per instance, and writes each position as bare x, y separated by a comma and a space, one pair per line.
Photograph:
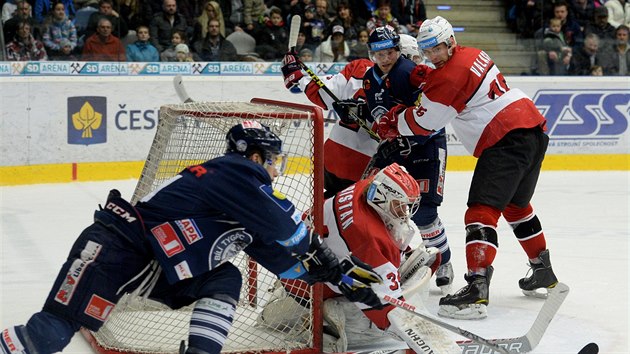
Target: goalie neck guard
395, 195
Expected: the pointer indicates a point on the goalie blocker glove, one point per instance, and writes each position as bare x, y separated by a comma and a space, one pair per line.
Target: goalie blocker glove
350, 110
291, 71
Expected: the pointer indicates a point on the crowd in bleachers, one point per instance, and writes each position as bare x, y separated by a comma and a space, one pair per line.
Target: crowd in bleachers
575, 37
196, 30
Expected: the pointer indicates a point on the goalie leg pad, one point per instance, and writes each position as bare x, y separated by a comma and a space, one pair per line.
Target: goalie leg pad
336, 319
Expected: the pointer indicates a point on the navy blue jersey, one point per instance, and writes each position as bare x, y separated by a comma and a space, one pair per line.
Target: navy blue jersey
202, 217
384, 94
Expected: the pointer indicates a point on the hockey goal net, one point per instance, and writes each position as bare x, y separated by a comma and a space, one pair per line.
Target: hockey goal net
191, 133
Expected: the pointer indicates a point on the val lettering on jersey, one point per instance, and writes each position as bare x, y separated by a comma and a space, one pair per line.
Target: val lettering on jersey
76, 271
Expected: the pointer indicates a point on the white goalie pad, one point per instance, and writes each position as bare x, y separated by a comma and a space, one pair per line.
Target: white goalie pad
421, 256
420, 335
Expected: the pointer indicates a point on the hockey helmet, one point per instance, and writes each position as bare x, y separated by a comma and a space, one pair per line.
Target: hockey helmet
395, 195
251, 136
384, 37
409, 47
434, 31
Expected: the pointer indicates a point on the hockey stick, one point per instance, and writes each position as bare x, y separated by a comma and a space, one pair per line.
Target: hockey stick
296, 21
522, 344
178, 83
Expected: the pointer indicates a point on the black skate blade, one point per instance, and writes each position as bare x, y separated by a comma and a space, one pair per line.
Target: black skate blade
590, 348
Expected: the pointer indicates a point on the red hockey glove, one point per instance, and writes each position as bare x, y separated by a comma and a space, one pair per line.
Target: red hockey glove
291, 70
418, 76
388, 124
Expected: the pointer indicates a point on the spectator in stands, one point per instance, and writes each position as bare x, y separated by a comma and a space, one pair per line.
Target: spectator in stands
558, 53
306, 55
583, 12
44, 8
616, 56
106, 10
57, 28
211, 11
600, 26
135, 12
618, 12
182, 53
359, 49
102, 45
233, 16
597, 70
334, 49
23, 13
321, 10
83, 16
273, 38
24, 47
409, 13
165, 23
345, 18
214, 47
8, 9
245, 46
169, 54
142, 49
383, 17
587, 56
573, 35
312, 27
253, 14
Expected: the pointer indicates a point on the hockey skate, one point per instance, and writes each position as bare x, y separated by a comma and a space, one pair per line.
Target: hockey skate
469, 303
444, 278
542, 277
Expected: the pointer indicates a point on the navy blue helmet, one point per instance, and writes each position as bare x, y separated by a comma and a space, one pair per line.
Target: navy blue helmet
383, 38
251, 136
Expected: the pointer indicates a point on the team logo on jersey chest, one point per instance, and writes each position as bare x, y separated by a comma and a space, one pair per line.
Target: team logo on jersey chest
228, 245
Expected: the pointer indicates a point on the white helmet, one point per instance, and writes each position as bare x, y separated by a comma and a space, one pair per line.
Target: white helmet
435, 31
409, 48
395, 195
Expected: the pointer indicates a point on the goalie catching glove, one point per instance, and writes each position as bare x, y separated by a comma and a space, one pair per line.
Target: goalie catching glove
291, 71
350, 110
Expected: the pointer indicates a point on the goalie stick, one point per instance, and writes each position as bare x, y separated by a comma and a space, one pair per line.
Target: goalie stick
477, 344
296, 21
178, 84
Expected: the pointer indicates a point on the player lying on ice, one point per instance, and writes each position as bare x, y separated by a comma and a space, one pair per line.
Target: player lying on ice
371, 220
113, 254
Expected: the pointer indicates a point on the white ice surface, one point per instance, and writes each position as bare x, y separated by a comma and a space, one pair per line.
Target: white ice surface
585, 217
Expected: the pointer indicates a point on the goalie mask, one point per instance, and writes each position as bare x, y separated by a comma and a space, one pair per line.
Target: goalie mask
251, 136
395, 196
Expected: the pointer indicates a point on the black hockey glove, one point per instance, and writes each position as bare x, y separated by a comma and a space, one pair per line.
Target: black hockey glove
350, 110
321, 263
365, 276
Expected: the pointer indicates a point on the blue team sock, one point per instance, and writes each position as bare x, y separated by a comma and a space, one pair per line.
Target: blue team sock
209, 325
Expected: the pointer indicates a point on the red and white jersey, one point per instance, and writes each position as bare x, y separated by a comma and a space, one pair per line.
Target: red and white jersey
348, 149
470, 92
352, 226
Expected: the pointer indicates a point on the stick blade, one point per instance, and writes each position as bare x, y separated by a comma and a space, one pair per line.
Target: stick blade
296, 22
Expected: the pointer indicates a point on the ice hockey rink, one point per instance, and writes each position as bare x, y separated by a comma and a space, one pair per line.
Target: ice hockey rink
585, 217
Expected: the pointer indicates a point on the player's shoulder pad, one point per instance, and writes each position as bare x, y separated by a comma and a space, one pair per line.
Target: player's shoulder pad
356, 68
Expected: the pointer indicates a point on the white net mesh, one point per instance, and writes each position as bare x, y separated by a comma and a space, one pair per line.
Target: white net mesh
192, 133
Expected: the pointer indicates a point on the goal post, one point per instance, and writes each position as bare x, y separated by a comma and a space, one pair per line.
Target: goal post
192, 133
